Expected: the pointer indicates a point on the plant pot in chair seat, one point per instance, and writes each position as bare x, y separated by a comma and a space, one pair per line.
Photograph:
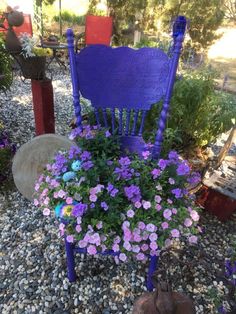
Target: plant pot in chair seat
32, 67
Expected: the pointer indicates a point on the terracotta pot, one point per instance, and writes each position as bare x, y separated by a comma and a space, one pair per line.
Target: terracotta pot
32, 67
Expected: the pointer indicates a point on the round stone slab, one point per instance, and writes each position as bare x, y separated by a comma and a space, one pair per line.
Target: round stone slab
30, 160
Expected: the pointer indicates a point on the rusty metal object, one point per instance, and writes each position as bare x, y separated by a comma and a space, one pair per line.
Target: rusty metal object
164, 301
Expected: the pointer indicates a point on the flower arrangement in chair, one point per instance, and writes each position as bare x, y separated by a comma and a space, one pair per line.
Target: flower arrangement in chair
108, 202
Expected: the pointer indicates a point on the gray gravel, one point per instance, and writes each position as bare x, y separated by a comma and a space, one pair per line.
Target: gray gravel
32, 262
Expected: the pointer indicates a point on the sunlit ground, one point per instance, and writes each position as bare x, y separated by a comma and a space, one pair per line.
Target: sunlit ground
223, 57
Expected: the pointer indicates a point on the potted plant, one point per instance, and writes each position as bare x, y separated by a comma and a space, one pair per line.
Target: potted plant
32, 59
105, 201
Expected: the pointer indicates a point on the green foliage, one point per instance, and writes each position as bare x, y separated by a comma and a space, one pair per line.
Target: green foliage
205, 17
5, 67
198, 112
69, 17
129, 15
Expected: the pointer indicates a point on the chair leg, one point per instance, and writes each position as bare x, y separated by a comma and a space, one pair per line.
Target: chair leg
151, 269
70, 260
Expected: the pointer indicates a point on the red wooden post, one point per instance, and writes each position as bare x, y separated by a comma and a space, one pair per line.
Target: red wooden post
42, 92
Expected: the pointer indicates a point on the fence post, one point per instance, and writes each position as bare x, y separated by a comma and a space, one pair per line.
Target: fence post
43, 105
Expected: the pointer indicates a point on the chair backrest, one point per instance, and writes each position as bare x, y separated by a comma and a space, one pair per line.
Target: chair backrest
26, 27
98, 30
123, 83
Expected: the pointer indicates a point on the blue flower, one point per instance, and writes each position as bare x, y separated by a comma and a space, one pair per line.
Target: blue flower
76, 165
69, 175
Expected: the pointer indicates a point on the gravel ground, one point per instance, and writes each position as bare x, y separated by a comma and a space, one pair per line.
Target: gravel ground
32, 262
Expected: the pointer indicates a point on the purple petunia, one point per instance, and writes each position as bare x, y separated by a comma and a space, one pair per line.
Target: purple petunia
183, 169
162, 163
177, 193
79, 209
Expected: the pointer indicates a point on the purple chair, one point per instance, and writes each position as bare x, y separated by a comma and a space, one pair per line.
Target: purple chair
122, 85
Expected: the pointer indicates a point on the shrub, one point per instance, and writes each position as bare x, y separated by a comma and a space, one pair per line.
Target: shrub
106, 202
6, 152
198, 113
5, 67
71, 18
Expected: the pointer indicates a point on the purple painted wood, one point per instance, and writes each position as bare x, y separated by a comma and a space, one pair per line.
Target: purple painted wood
113, 117
136, 113
122, 77
144, 112
70, 259
125, 78
73, 70
104, 112
128, 79
151, 269
178, 34
120, 121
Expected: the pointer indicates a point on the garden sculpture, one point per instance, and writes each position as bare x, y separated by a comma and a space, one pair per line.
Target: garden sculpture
163, 301
14, 18
122, 85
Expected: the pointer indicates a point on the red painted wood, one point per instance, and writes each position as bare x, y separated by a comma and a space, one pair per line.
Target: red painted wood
43, 105
26, 27
216, 203
98, 30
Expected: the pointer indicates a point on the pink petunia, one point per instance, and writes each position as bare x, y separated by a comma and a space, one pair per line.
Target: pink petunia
93, 198
91, 249
174, 211
115, 247
61, 194
46, 212
135, 248
99, 225
194, 215
130, 213
141, 225
70, 239
192, 239
175, 233
137, 204
82, 244
137, 238
36, 202
151, 227
144, 247
78, 228
158, 198
158, 207
165, 225
122, 257
153, 237
167, 213
146, 204
188, 222
153, 246
140, 256
171, 181
127, 246
69, 200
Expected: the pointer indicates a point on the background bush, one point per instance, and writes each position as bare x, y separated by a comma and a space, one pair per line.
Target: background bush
70, 18
198, 112
5, 67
